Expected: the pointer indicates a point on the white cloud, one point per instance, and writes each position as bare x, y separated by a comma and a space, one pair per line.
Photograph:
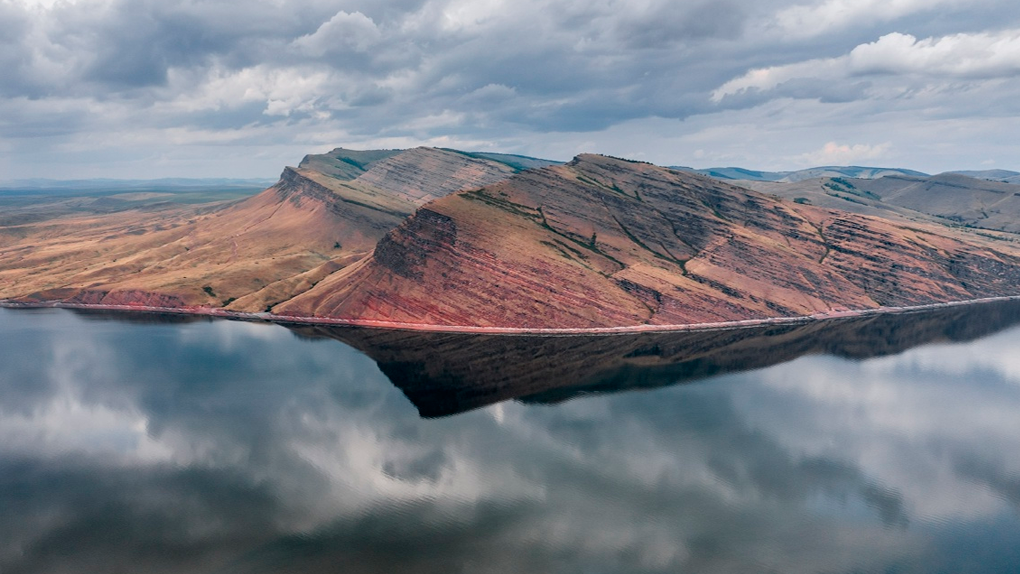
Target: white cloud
49, 4
467, 14
283, 90
344, 31
981, 55
896, 56
833, 153
813, 19
768, 78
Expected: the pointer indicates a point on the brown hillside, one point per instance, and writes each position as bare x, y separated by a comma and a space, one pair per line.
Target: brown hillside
248, 255
607, 242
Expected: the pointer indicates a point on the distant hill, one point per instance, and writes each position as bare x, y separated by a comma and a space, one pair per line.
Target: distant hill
130, 184
858, 172
517, 162
952, 198
1003, 175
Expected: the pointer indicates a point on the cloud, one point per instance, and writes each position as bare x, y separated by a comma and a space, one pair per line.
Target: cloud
985, 55
834, 153
901, 57
814, 19
343, 32
517, 73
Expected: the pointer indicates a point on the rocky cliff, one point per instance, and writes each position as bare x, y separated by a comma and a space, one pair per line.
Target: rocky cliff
603, 242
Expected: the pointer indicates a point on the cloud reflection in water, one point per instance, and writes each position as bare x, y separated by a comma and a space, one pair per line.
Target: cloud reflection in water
231, 447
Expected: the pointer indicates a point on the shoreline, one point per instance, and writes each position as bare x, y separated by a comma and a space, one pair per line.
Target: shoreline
214, 312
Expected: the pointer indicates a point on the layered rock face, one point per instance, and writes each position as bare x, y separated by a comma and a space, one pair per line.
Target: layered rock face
602, 242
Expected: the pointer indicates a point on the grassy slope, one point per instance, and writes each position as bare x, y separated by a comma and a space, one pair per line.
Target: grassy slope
248, 255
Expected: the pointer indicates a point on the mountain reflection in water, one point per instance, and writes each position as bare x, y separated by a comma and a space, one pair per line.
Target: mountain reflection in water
446, 373
171, 445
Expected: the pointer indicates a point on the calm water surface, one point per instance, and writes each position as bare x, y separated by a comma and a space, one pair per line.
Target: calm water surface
235, 447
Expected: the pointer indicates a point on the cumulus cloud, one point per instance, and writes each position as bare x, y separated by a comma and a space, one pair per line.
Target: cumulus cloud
900, 56
343, 32
520, 75
833, 153
985, 55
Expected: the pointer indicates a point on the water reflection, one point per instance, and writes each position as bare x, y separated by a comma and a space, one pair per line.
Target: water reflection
232, 447
444, 373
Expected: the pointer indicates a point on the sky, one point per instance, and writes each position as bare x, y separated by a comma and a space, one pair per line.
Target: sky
194, 88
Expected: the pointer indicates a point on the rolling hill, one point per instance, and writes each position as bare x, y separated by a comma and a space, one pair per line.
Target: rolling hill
952, 198
857, 172
321, 216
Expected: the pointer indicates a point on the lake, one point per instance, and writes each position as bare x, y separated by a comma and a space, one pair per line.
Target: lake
145, 443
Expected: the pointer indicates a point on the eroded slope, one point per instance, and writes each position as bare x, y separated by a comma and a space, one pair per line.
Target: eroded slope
602, 242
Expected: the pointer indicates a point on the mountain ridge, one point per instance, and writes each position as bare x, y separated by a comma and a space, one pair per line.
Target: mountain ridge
706, 252
448, 239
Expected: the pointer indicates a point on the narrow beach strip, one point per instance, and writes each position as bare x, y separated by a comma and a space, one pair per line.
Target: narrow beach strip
470, 329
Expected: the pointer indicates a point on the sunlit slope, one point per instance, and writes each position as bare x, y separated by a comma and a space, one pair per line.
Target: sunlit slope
249, 255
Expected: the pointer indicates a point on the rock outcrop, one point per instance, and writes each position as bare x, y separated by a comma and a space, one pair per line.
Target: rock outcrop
603, 242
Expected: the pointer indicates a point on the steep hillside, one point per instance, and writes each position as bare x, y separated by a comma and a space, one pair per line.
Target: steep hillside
249, 255
345, 164
605, 242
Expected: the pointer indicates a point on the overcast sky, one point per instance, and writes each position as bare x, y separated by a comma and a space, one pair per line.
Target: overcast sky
194, 88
